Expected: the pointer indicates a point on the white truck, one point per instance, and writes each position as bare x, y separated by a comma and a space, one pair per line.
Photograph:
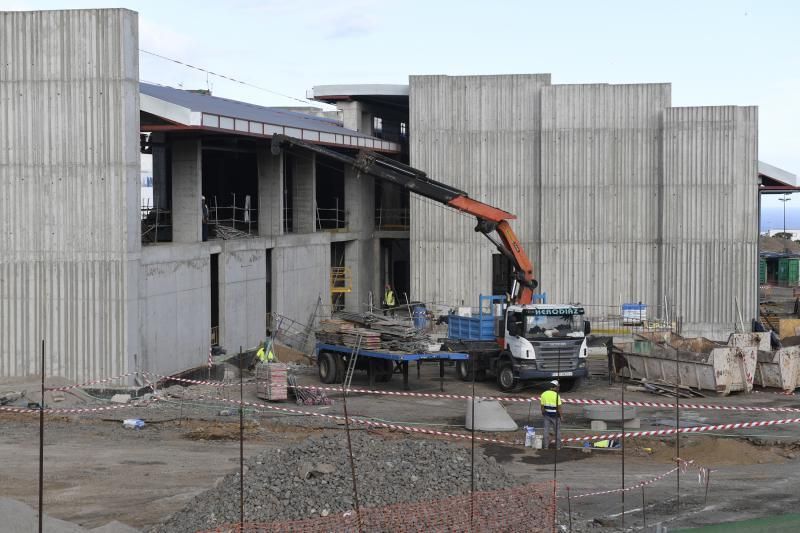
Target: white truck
518, 343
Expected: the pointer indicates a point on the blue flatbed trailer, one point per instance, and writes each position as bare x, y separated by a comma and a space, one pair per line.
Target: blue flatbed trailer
377, 364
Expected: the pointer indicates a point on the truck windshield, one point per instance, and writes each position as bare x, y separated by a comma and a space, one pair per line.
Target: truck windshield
546, 327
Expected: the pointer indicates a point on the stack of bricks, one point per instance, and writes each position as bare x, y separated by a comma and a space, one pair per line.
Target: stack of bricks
271, 381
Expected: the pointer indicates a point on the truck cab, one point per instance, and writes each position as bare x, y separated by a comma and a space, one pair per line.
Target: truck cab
518, 343
542, 341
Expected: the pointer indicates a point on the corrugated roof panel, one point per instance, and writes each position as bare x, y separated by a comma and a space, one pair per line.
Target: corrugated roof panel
241, 110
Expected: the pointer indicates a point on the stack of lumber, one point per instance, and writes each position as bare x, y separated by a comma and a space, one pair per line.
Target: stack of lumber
271, 381
330, 330
377, 332
370, 340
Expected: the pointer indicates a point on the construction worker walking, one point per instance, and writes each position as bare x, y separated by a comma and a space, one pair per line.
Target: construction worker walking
551, 412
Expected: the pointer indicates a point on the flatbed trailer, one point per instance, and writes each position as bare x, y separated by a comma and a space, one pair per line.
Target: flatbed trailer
332, 359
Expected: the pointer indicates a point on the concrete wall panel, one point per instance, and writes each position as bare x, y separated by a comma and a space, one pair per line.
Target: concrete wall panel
243, 297
711, 216
482, 135
69, 166
600, 194
301, 276
175, 315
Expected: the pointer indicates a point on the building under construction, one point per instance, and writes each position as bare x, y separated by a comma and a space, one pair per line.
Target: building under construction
620, 198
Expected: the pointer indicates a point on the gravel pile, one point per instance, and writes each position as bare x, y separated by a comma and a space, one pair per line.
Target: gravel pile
314, 479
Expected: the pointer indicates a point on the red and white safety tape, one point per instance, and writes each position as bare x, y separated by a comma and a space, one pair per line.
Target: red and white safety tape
637, 485
56, 411
94, 382
372, 423
696, 429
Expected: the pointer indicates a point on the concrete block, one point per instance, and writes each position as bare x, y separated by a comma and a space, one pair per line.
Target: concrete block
121, 398
633, 423
490, 415
599, 425
610, 413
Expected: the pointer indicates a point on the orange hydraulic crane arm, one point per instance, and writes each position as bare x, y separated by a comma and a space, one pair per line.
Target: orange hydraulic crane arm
490, 219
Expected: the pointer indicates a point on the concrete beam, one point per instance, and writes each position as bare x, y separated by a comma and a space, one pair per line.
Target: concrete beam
187, 180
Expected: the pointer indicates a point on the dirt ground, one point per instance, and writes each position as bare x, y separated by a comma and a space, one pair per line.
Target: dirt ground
97, 471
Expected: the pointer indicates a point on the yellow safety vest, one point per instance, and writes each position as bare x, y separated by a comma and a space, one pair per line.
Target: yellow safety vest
389, 297
550, 401
265, 356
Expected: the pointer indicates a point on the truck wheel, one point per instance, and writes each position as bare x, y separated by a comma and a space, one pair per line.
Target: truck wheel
506, 379
570, 384
340, 369
383, 370
327, 367
464, 371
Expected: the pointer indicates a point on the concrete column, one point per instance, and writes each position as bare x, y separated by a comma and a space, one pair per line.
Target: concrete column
187, 213
160, 192
351, 114
359, 200
304, 194
270, 192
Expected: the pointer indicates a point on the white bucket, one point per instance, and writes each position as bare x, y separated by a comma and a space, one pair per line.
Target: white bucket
537, 442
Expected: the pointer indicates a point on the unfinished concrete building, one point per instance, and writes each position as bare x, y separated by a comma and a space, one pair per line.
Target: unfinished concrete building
233, 233
620, 198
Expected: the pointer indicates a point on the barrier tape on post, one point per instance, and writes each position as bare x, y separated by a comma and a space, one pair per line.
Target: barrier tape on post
88, 383
373, 423
65, 411
509, 399
696, 429
684, 466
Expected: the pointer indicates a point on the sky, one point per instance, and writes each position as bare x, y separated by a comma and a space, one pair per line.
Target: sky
714, 52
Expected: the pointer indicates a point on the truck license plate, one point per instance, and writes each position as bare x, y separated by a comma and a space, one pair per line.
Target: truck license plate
562, 374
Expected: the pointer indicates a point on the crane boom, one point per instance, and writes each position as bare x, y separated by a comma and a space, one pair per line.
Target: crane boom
490, 219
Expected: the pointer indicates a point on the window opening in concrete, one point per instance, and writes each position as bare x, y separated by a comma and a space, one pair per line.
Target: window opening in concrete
230, 185
214, 269
391, 207
156, 189
330, 211
395, 267
288, 197
341, 281
377, 127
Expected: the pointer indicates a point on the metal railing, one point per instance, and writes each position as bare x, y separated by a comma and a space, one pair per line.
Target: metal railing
331, 218
156, 225
232, 221
392, 219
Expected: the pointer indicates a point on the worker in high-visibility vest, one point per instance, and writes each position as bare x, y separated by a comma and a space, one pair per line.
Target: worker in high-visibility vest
388, 299
265, 355
551, 412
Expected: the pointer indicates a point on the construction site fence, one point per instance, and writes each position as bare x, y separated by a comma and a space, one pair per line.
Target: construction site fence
526, 508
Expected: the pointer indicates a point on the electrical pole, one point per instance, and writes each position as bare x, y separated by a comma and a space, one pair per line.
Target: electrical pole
784, 200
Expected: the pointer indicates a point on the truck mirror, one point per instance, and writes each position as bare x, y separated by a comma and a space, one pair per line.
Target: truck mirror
587, 327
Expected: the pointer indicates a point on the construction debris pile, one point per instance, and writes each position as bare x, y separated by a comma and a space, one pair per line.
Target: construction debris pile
377, 332
313, 479
308, 396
